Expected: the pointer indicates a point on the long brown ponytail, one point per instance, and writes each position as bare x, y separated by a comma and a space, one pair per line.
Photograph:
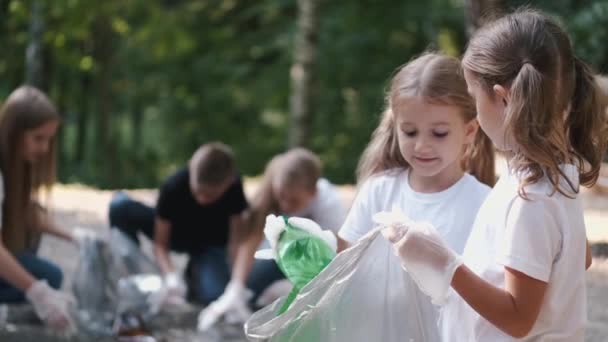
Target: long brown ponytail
553, 114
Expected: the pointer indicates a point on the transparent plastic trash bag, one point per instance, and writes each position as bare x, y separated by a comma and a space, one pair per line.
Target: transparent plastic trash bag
112, 277
362, 295
127, 257
139, 293
93, 289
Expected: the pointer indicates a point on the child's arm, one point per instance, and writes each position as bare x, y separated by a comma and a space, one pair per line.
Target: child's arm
588, 257
342, 244
244, 250
46, 225
49, 227
162, 233
513, 310
12, 272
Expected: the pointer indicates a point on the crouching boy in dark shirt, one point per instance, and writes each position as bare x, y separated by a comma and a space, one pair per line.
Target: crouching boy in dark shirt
198, 212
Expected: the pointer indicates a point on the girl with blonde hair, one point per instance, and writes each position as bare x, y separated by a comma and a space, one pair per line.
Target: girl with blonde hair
427, 157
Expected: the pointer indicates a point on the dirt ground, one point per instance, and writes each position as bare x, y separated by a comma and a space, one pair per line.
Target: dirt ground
85, 207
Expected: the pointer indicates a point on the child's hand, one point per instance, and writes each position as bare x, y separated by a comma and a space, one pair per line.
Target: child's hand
232, 305
175, 289
425, 256
53, 307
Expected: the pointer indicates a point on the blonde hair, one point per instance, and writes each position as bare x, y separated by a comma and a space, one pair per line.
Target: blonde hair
296, 168
554, 113
439, 80
25, 109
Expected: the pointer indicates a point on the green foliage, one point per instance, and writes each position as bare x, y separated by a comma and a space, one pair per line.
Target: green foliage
142, 83
587, 23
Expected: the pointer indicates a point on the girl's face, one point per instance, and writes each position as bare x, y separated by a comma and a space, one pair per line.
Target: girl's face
490, 110
37, 141
432, 137
293, 199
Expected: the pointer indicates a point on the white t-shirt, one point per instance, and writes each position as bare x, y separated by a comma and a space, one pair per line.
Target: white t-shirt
326, 208
544, 238
451, 211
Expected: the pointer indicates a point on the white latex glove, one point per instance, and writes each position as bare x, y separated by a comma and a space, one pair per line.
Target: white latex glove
275, 225
52, 306
426, 257
175, 289
394, 218
232, 305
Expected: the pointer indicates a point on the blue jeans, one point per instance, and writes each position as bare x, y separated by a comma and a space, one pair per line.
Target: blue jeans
39, 268
207, 272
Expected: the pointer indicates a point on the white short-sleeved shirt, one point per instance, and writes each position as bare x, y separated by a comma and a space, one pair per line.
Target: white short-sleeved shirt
451, 211
326, 208
544, 238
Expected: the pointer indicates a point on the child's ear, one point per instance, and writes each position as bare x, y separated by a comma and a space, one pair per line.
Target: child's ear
470, 130
502, 94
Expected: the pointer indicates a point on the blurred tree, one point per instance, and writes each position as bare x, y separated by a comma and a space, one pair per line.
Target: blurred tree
302, 74
141, 84
34, 73
480, 11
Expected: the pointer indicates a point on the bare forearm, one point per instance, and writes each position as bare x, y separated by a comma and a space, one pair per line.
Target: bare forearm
244, 258
162, 259
48, 226
12, 272
496, 305
588, 256
162, 233
342, 244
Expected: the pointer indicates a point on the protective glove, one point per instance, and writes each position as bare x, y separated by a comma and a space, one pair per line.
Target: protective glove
394, 218
301, 249
52, 306
232, 304
175, 289
425, 256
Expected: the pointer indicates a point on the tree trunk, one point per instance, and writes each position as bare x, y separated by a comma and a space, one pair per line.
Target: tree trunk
82, 119
33, 53
478, 12
103, 51
302, 74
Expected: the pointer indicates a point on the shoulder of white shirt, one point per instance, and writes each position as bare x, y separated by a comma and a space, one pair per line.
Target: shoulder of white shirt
544, 187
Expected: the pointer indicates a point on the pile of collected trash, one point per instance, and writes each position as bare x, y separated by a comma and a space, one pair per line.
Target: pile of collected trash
117, 288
